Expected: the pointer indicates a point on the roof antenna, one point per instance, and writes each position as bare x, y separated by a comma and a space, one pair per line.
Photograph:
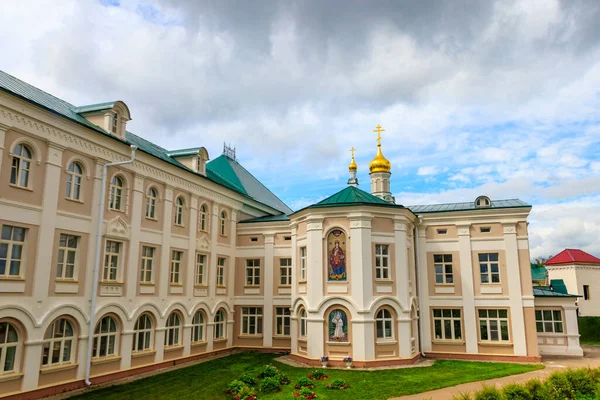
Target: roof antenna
229, 151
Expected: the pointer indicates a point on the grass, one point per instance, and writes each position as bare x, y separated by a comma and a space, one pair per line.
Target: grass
209, 380
590, 342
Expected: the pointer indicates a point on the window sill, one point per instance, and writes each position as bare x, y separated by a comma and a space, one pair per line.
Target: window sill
106, 360
66, 280
384, 342
452, 342
339, 343
445, 284
151, 219
251, 286
284, 286
203, 286
115, 210
173, 348
220, 340
146, 283
179, 225
198, 344
21, 187
302, 281
111, 283
222, 286
56, 368
282, 336
302, 339
248, 336
490, 343
10, 377
12, 278
176, 284
138, 354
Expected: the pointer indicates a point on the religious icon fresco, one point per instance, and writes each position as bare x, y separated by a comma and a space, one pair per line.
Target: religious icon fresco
338, 326
336, 249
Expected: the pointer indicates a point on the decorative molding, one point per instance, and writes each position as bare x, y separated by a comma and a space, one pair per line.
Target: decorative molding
360, 223
269, 239
464, 230
510, 228
400, 226
117, 228
203, 244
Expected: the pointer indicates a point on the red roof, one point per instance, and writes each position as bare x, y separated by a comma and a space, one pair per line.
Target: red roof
571, 256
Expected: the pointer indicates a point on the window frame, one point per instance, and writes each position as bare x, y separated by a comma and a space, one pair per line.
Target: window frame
285, 279
119, 259
176, 268
443, 263
201, 272
20, 164
382, 320
283, 319
380, 257
252, 321
488, 326
174, 330
61, 266
552, 321
220, 325
10, 244
586, 293
147, 334
452, 320
199, 327
203, 218
115, 193
221, 282
303, 258
151, 200
489, 273
7, 345
74, 180
147, 265
99, 335
252, 272
179, 211
222, 223
303, 326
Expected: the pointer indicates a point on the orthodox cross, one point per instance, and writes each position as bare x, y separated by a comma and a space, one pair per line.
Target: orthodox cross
379, 130
352, 150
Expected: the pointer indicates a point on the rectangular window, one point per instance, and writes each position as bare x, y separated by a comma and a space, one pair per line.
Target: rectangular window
586, 292
287, 238
221, 271
254, 239
443, 269
112, 261
549, 321
447, 324
282, 321
303, 263
251, 320
201, 269
382, 262
253, 272
176, 257
147, 261
67, 256
493, 325
442, 231
489, 268
485, 229
285, 269
12, 242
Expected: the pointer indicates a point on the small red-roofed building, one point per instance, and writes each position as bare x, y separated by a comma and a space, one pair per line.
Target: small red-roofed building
580, 272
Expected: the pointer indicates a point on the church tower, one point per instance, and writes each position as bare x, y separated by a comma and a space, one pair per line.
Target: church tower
380, 172
353, 181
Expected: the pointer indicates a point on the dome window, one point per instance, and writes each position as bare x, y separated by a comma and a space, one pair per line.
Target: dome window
483, 202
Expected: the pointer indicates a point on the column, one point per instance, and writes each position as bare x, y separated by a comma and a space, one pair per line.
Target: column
404, 336
126, 349
134, 240
190, 280
361, 264
159, 344
82, 356
314, 326
230, 272
210, 336
401, 263
31, 364
212, 260
187, 340
165, 254
91, 259
423, 289
268, 291
3, 129
230, 317
468, 290
513, 271
572, 329
363, 340
314, 264
47, 223
294, 295
294, 333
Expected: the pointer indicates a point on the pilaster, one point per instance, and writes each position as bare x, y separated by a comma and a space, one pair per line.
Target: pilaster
192, 225
159, 344
47, 222
230, 272
572, 329
31, 364
401, 263
404, 337
133, 266
82, 355
361, 265
91, 259
126, 344
3, 129
187, 340
230, 329
165, 254
513, 271
423, 289
468, 289
363, 340
210, 339
268, 291
314, 263
314, 326
212, 260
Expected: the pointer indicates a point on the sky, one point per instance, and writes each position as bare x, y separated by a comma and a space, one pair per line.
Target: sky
496, 98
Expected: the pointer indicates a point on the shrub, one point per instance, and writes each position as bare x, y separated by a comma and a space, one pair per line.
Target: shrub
582, 383
516, 392
304, 382
268, 371
246, 393
463, 396
247, 379
270, 385
559, 386
537, 390
324, 359
317, 374
305, 393
589, 329
488, 393
234, 387
338, 384
283, 379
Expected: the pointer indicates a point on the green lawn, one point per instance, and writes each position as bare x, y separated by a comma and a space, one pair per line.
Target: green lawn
209, 380
590, 342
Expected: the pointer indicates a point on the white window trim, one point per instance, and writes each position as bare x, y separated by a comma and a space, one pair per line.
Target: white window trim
97, 338
252, 272
379, 258
201, 269
151, 203
174, 330
303, 327
4, 346
222, 323
72, 178
145, 332
179, 212
249, 315
62, 344
551, 321
383, 320
10, 244
282, 314
175, 271
66, 250
303, 264
120, 256
20, 168
489, 269
221, 272
199, 326
288, 272
452, 320
147, 265
443, 264
114, 191
498, 320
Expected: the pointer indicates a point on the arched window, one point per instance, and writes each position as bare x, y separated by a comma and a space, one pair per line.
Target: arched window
142, 333
9, 347
173, 332
198, 327
222, 219
179, 211
151, 203
21, 166
219, 325
59, 343
74, 175
203, 218
385, 323
106, 338
115, 201
483, 202
115, 122
303, 325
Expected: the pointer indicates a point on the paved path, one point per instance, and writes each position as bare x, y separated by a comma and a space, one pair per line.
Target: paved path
591, 358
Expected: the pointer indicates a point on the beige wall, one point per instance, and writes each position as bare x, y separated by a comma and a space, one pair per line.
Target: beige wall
80, 266
502, 286
84, 206
456, 275
431, 232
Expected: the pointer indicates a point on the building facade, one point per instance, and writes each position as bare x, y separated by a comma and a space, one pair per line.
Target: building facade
197, 257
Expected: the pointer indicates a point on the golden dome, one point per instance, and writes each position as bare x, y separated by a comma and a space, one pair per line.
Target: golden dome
379, 163
353, 166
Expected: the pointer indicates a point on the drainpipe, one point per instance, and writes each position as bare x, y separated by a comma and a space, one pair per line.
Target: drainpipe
419, 284
88, 365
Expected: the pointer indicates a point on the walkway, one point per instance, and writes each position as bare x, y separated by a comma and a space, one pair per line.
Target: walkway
591, 358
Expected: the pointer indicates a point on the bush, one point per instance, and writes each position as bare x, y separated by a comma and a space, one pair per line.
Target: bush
305, 393
516, 392
463, 396
246, 394
304, 382
537, 389
268, 371
589, 329
338, 384
317, 374
283, 379
488, 393
559, 386
247, 379
270, 385
234, 387
582, 383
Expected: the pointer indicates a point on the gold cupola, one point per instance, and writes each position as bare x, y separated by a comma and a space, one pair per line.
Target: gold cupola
353, 166
379, 163
353, 181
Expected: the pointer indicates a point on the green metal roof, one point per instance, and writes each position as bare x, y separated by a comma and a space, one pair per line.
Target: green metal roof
558, 285
268, 218
352, 196
218, 173
546, 291
184, 152
94, 107
466, 206
538, 273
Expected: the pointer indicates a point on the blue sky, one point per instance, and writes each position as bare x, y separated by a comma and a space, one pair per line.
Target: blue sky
496, 98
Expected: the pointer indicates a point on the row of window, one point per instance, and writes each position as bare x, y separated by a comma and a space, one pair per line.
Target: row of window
20, 176
384, 324
489, 268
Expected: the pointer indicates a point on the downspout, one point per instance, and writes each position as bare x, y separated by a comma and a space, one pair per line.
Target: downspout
88, 365
419, 284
